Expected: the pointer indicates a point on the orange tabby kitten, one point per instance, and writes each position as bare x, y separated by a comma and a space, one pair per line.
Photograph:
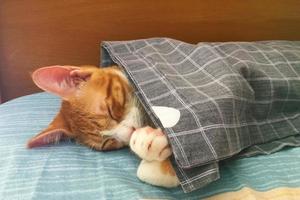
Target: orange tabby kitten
100, 111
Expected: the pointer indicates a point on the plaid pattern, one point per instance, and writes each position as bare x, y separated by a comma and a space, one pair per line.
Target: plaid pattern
232, 97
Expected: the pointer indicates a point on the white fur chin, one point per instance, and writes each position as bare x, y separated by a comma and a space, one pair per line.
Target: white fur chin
151, 173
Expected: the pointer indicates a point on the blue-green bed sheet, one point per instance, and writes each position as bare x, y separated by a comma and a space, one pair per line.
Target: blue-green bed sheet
71, 171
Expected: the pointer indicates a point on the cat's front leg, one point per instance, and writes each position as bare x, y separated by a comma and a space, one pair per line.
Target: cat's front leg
153, 147
150, 144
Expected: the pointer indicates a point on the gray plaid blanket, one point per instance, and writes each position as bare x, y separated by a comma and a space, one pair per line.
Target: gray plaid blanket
235, 99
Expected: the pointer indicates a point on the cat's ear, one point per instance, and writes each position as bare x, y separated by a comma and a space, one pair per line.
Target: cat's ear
56, 131
60, 80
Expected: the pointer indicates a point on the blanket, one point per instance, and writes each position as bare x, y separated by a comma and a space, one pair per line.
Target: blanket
235, 99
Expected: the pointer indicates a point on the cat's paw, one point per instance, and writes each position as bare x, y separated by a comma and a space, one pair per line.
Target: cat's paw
150, 144
158, 173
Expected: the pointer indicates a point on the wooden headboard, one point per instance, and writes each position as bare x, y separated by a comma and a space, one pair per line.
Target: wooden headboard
36, 33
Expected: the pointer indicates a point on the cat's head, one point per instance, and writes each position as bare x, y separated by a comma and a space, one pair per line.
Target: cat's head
95, 104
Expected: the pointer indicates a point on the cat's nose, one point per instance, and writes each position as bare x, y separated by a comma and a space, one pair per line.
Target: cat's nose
124, 134
131, 130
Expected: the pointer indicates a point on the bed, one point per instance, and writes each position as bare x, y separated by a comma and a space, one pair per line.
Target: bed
70, 171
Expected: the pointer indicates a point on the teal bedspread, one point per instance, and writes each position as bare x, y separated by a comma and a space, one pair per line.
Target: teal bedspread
71, 171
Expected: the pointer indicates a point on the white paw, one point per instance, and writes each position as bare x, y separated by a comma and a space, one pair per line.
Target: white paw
154, 174
150, 144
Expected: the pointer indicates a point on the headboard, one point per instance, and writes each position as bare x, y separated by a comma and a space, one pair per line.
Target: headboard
37, 33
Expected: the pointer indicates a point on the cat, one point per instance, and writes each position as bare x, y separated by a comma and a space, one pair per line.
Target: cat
99, 110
